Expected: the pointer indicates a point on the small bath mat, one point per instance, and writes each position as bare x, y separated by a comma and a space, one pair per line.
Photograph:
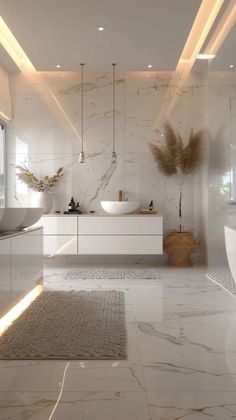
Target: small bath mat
112, 273
69, 325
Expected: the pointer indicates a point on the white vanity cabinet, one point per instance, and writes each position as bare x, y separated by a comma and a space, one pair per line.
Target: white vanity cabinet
120, 235
102, 235
21, 265
60, 234
26, 261
5, 273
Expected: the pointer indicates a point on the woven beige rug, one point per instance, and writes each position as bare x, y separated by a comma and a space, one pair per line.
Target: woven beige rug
112, 273
69, 325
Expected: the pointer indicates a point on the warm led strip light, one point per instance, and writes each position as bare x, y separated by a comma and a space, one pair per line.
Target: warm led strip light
17, 54
223, 28
4, 116
20, 307
203, 22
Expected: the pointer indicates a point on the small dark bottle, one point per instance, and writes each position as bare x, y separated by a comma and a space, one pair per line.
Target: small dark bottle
78, 208
71, 205
151, 206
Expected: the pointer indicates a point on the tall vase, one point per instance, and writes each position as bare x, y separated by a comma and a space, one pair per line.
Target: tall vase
43, 199
179, 246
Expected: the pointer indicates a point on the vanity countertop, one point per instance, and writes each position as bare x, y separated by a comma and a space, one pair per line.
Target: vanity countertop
103, 215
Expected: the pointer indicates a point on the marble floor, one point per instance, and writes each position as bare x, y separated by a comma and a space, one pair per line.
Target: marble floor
181, 357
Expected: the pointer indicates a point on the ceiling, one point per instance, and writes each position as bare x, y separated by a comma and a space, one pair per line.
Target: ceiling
63, 32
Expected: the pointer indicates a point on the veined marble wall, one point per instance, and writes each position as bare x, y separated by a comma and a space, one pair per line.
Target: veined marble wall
37, 138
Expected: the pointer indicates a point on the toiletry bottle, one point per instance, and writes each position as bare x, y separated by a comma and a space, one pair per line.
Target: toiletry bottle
151, 206
71, 205
78, 208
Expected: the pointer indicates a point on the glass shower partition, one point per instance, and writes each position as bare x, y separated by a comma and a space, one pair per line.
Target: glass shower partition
2, 166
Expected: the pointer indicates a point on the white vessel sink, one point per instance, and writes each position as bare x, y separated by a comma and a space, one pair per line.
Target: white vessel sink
32, 216
12, 218
119, 207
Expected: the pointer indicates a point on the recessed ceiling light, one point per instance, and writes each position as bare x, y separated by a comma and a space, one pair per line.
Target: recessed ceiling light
206, 56
101, 28
58, 66
231, 66
150, 66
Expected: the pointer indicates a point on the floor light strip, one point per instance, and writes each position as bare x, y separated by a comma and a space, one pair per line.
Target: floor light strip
19, 308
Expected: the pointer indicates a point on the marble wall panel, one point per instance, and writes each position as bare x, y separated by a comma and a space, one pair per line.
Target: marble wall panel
36, 137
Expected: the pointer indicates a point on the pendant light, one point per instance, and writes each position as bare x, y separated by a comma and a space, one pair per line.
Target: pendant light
82, 156
114, 157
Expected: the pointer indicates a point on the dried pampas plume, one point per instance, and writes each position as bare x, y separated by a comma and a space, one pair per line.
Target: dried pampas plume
174, 156
177, 158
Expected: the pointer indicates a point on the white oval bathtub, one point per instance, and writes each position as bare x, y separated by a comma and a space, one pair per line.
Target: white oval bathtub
230, 244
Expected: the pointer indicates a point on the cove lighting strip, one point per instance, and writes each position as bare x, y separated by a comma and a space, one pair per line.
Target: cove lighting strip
222, 29
4, 116
17, 54
19, 308
202, 24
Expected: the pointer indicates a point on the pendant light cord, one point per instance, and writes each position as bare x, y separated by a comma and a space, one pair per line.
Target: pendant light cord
113, 113
82, 107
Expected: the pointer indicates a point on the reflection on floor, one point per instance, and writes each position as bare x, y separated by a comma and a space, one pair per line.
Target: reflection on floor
181, 358
224, 278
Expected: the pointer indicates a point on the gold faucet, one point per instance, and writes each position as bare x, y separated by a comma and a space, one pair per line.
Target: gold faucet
120, 195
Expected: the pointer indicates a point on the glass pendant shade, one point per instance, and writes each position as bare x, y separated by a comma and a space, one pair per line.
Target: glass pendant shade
114, 156
82, 155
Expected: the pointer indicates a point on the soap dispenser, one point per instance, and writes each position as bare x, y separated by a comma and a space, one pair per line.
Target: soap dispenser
151, 206
78, 208
71, 205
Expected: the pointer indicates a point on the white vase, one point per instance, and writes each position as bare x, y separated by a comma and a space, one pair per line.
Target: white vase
43, 199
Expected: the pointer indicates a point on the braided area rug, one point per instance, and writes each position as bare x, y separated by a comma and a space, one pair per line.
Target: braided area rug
112, 273
69, 325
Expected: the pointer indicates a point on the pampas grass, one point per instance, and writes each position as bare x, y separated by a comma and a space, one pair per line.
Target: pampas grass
175, 158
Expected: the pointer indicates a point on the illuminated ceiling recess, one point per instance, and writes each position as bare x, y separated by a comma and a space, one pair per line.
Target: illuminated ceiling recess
222, 29
17, 54
202, 24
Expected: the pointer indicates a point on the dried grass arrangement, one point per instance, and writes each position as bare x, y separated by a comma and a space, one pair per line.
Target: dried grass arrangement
175, 158
38, 184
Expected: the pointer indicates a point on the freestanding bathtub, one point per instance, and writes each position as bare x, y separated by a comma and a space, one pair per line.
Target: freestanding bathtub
230, 244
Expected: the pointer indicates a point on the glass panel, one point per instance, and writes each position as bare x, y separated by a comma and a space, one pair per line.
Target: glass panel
2, 165
222, 158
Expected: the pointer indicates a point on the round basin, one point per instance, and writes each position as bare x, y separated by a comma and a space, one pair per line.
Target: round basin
119, 207
12, 218
32, 216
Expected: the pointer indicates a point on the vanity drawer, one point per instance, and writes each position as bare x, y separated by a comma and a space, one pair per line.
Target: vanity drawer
115, 225
63, 225
61, 245
108, 244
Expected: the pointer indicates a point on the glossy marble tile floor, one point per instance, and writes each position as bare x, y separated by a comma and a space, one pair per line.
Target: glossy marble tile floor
181, 358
